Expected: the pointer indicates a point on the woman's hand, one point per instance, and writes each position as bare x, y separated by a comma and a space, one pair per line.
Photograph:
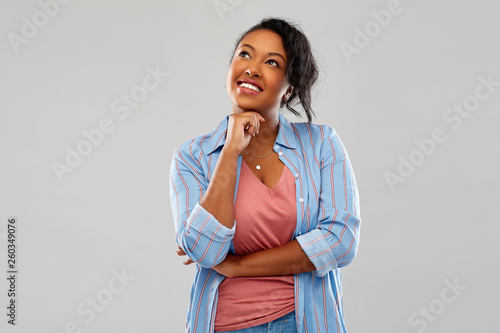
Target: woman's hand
240, 129
180, 252
228, 267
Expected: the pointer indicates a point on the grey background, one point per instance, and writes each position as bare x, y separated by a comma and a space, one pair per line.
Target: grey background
112, 212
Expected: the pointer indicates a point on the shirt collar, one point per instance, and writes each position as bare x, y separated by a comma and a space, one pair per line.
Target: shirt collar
286, 135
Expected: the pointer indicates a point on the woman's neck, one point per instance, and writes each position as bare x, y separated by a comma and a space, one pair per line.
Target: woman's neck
267, 132
268, 129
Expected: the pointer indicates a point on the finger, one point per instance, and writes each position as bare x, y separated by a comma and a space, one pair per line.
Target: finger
180, 251
255, 124
258, 118
255, 113
188, 261
250, 127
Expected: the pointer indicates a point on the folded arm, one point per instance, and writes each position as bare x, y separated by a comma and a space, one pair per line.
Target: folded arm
331, 243
204, 230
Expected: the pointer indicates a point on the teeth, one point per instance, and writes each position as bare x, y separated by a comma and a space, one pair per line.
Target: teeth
249, 86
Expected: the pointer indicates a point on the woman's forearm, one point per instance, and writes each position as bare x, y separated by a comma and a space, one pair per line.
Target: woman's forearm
284, 260
218, 199
219, 196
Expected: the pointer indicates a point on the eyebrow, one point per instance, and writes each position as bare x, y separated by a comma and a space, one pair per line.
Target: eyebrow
270, 53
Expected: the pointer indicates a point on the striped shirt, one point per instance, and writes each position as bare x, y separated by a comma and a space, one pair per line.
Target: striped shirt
328, 221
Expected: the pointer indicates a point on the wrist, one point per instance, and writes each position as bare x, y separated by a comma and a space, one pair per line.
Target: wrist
230, 152
237, 266
230, 266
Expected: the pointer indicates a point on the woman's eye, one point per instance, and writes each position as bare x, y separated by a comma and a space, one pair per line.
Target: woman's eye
273, 62
243, 54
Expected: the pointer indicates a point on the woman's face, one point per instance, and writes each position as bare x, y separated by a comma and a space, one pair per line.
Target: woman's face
256, 78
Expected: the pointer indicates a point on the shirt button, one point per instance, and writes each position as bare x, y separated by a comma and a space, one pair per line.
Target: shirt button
297, 175
277, 147
301, 200
280, 153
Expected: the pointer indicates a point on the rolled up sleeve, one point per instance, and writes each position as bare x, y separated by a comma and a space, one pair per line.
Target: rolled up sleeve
204, 239
334, 241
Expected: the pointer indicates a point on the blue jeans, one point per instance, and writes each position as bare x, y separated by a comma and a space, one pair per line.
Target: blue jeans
285, 324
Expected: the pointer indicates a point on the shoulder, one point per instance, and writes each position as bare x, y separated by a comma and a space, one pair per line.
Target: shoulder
198, 143
323, 139
205, 143
317, 133
315, 130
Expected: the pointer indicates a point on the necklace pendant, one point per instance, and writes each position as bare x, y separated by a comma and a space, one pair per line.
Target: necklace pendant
257, 167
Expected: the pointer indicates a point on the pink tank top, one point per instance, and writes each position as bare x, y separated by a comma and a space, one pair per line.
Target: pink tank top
265, 218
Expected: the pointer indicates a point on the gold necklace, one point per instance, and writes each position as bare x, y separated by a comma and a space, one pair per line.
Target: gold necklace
255, 156
257, 166
261, 147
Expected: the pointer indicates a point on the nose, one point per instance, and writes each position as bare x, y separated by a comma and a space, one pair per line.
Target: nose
253, 69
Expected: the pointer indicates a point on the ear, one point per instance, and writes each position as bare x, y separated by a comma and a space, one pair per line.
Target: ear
288, 93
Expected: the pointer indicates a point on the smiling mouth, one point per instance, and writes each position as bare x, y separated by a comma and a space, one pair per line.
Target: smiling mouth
249, 86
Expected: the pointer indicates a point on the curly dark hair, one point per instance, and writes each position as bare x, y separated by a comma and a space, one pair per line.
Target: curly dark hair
301, 71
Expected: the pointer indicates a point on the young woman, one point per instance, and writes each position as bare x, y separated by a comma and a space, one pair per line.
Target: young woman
268, 210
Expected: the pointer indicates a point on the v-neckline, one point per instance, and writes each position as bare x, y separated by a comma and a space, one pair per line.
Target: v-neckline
276, 186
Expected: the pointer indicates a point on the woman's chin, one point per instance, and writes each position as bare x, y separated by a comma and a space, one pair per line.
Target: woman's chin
244, 104
247, 106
